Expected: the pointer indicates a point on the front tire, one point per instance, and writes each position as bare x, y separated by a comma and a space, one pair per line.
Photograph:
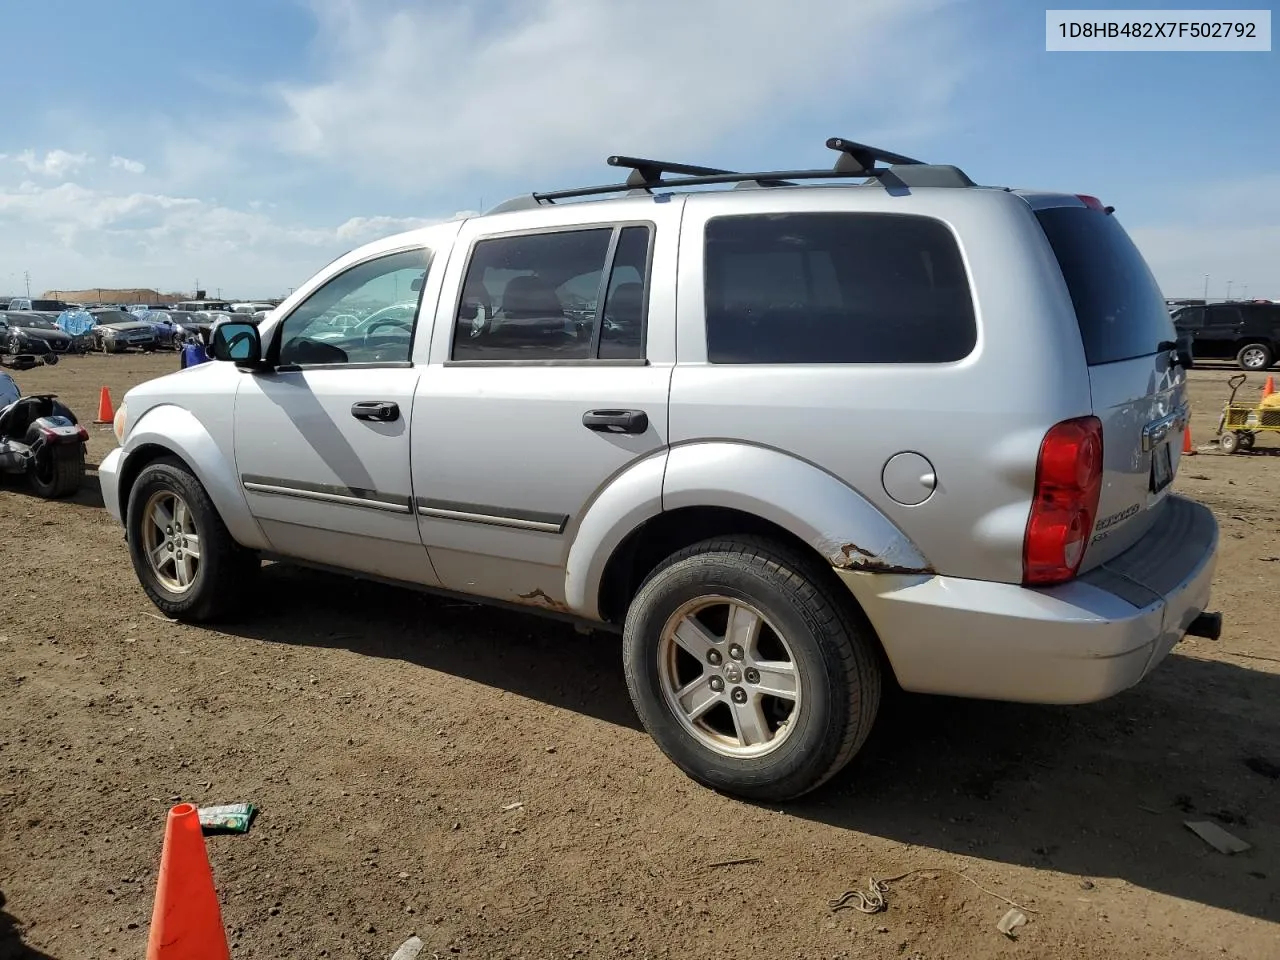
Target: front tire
1229, 442
751, 673
183, 555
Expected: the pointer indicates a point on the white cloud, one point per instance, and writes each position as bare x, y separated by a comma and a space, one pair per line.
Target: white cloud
74, 236
364, 229
536, 86
1230, 231
127, 165
55, 163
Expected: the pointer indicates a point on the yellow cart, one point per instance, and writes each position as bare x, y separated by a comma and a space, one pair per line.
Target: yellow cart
1241, 423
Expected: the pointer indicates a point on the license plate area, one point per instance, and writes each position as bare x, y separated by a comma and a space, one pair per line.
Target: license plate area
1161, 468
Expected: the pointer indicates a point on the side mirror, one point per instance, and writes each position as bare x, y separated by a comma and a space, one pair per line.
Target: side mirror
416, 285
238, 342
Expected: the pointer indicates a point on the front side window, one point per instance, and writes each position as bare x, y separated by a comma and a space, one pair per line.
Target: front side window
835, 288
540, 297
365, 314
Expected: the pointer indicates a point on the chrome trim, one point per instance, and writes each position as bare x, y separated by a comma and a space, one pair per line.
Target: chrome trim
494, 516
326, 493
1157, 431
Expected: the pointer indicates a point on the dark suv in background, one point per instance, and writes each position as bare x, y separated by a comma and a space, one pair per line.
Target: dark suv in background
1246, 332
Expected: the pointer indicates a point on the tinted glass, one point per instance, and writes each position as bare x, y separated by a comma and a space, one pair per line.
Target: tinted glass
1224, 316
1118, 305
32, 323
835, 288
532, 297
1189, 318
622, 333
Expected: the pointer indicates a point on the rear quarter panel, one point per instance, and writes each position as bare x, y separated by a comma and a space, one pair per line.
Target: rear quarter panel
978, 421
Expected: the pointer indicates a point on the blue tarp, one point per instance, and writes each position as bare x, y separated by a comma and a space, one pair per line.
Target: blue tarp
75, 323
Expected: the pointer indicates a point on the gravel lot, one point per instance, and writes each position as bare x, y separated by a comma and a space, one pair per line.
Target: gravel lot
383, 733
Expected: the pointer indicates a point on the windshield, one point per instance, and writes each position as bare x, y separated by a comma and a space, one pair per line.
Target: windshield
31, 323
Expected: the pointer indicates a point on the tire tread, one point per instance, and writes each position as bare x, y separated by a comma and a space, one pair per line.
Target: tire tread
836, 619
230, 567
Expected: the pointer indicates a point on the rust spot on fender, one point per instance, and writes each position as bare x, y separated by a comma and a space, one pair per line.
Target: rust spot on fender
853, 557
539, 598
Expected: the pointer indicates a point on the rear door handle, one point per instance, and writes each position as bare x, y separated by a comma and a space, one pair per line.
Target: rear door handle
616, 421
381, 411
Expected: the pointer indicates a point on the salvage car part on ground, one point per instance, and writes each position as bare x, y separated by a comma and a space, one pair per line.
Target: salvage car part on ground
41, 439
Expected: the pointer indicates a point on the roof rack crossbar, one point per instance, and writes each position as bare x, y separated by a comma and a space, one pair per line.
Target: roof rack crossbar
645, 172
856, 157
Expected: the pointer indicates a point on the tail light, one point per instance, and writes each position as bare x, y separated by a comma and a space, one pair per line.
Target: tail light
1065, 503
1093, 203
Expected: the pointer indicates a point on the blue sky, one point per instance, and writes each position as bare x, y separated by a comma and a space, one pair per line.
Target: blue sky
245, 143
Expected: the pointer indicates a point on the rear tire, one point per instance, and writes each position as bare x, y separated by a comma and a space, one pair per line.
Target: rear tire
219, 581
61, 474
761, 747
1255, 356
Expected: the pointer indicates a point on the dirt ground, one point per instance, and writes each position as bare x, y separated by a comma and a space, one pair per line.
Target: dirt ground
382, 733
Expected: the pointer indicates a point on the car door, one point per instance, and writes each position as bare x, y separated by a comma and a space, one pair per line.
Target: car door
1220, 332
549, 377
1189, 322
322, 439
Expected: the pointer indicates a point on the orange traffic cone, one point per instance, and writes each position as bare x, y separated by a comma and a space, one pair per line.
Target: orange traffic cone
106, 414
186, 922
1187, 449
1269, 387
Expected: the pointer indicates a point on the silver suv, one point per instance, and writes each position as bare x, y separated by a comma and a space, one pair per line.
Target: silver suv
796, 438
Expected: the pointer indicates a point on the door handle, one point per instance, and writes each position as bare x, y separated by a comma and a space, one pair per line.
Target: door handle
616, 421
381, 411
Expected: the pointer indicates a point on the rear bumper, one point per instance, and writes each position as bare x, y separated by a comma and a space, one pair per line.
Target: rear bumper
1076, 643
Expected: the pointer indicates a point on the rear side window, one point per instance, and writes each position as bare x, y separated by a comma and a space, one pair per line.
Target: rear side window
1119, 306
835, 288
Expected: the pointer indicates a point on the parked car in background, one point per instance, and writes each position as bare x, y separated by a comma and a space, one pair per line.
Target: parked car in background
255, 306
184, 324
195, 306
162, 326
115, 331
30, 332
40, 306
803, 441
1247, 332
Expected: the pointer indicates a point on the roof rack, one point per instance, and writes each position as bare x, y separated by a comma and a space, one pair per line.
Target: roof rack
856, 160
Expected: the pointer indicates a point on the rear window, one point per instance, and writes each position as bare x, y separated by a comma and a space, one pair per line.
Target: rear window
1119, 307
835, 288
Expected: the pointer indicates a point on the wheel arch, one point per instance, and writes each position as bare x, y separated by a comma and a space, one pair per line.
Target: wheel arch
720, 488
172, 432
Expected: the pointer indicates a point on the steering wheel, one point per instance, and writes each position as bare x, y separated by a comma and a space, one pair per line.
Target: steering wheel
400, 322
